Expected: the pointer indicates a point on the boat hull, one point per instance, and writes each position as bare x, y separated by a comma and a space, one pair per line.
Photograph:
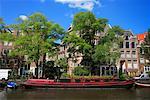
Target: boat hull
142, 85
115, 84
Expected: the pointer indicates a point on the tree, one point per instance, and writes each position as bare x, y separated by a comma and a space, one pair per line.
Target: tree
6, 38
81, 39
62, 63
76, 44
87, 25
107, 52
146, 46
35, 39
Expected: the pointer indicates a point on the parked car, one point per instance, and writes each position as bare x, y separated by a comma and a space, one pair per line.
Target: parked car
143, 76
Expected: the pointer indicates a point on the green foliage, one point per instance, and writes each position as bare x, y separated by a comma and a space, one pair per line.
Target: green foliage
146, 46
101, 53
91, 77
83, 34
37, 37
83, 20
64, 75
76, 43
7, 37
81, 71
84, 29
62, 62
86, 24
107, 52
123, 77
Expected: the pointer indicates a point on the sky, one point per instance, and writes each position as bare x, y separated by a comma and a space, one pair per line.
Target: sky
128, 14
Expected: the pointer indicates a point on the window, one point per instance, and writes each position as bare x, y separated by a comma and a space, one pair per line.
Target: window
127, 38
141, 51
107, 71
133, 52
145, 69
15, 61
128, 52
121, 45
127, 44
134, 61
26, 67
133, 45
122, 52
129, 61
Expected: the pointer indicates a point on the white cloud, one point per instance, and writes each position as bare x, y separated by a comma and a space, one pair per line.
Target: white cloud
83, 4
23, 17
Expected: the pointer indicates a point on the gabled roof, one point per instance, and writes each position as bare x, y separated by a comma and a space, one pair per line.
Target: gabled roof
141, 36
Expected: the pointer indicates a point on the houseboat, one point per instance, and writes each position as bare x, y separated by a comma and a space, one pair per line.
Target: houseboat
77, 83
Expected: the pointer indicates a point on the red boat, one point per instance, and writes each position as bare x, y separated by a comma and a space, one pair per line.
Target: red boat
44, 83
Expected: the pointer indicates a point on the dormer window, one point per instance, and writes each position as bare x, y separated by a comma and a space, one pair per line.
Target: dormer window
127, 38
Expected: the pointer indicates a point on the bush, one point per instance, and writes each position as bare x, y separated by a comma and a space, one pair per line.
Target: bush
64, 75
123, 77
92, 77
81, 71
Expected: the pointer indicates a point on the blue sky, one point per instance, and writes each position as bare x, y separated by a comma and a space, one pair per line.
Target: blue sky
129, 14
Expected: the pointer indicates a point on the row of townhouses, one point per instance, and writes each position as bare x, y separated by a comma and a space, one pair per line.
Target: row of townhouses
130, 49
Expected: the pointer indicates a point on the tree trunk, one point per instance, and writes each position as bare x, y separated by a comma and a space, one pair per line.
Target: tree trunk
37, 71
44, 61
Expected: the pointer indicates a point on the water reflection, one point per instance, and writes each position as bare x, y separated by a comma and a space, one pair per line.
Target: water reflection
77, 94
3, 95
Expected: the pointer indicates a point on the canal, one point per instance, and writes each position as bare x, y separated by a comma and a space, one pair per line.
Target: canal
76, 94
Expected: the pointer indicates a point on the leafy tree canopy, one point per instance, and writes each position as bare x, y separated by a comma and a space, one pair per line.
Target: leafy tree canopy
146, 46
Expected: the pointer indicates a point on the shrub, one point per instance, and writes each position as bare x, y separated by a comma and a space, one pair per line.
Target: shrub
81, 71
123, 77
64, 75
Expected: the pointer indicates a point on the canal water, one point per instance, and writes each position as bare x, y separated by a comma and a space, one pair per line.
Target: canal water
77, 94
